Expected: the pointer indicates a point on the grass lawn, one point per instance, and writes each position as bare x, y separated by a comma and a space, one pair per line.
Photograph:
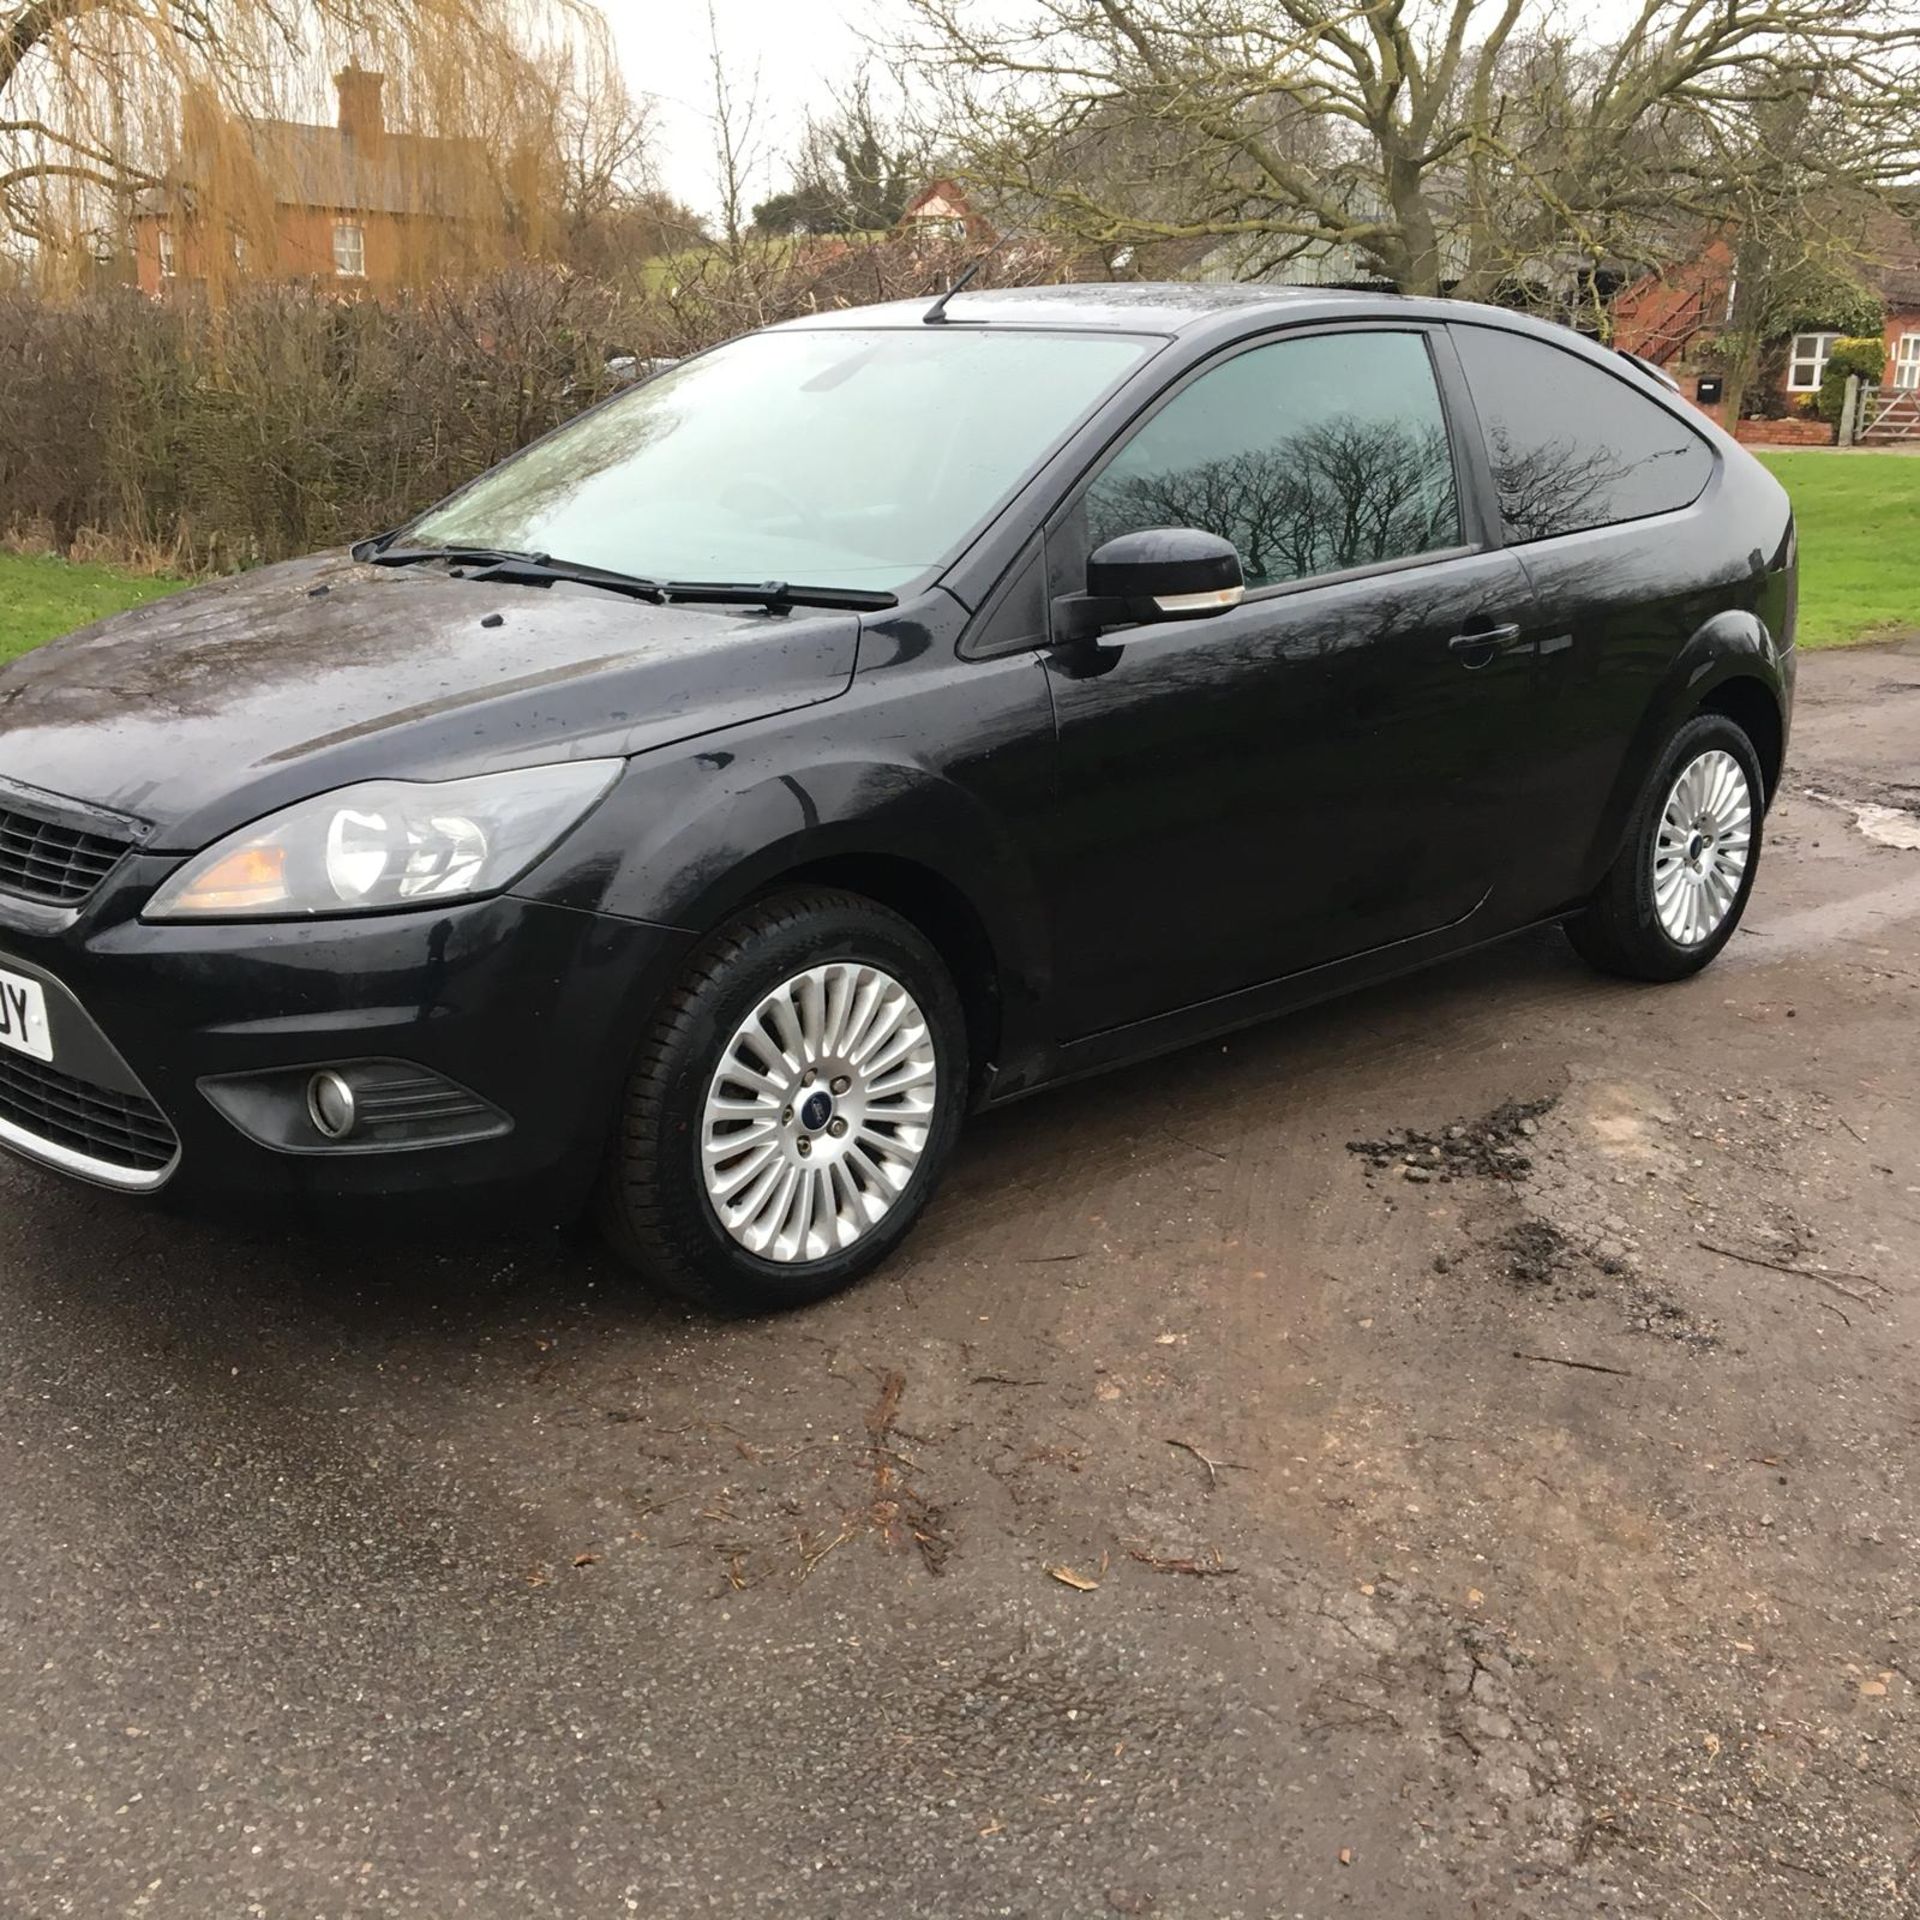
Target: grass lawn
42, 597
1859, 519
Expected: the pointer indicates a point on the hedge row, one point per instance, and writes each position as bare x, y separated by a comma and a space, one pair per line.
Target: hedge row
289, 419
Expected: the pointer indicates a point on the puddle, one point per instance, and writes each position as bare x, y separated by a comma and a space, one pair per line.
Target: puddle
1889, 826
1884, 826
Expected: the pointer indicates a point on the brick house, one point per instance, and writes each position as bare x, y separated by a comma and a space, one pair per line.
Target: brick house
941, 211
357, 204
1667, 317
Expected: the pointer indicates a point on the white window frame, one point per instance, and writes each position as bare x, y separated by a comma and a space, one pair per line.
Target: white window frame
1811, 351
169, 260
1906, 361
349, 250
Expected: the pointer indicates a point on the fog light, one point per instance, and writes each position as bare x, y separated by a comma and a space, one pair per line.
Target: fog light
358, 1106
330, 1105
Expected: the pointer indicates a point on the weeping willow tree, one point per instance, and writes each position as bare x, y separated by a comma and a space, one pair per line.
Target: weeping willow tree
466, 132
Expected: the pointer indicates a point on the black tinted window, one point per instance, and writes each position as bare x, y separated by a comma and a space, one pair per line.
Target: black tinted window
1571, 445
1309, 455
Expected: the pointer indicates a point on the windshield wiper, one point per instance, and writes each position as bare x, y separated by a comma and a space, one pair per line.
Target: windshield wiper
776, 594
459, 556
542, 570
521, 569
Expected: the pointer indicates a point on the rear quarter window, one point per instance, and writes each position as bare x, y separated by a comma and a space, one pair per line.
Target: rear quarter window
1573, 446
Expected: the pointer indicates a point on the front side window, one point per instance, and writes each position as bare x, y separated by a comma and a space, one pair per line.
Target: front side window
1312, 455
1808, 361
824, 457
349, 250
1571, 444
1906, 362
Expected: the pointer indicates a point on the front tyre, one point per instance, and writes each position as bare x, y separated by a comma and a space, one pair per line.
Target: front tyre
1675, 894
792, 1108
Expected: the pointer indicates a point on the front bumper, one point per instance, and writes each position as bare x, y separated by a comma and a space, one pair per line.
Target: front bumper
535, 1008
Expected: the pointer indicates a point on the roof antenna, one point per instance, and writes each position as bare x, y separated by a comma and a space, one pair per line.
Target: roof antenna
936, 315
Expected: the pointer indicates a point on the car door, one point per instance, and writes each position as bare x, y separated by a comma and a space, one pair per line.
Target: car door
1322, 770
1600, 490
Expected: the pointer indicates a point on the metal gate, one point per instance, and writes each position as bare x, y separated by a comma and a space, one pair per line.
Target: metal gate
1888, 414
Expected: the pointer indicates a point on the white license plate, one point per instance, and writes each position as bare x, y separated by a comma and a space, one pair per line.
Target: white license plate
23, 1016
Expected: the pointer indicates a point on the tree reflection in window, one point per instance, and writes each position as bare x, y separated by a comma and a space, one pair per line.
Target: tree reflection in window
1310, 455
1549, 486
1571, 443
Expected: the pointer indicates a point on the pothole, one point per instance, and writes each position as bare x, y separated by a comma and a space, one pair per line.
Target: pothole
1885, 826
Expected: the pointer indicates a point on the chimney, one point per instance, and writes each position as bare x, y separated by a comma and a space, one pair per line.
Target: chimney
361, 119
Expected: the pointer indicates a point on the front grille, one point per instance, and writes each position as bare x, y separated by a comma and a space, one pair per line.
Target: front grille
42, 860
124, 1130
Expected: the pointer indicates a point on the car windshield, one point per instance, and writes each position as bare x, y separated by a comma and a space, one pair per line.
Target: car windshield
829, 457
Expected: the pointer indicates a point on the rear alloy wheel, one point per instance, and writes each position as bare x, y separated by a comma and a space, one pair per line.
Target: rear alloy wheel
1701, 847
1675, 894
791, 1111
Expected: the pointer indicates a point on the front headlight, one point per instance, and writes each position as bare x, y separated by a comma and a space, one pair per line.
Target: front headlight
386, 843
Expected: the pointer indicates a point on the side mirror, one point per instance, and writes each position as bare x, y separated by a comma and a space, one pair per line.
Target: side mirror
1159, 573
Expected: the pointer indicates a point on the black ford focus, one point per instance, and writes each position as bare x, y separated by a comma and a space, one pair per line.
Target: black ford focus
879, 717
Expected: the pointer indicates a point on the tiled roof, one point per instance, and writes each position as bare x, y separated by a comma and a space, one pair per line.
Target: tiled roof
1893, 264
303, 165
312, 166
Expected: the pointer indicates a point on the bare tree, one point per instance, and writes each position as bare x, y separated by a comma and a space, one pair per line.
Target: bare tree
738, 279
567, 148
739, 146
855, 170
601, 155
1797, 237
1436, 144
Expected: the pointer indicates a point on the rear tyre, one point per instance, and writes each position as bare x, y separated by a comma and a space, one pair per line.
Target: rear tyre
1675, 894
792, 1108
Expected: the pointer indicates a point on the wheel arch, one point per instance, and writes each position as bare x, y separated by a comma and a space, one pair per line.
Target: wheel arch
1729, 666
690, 854
1754, 707
940, 910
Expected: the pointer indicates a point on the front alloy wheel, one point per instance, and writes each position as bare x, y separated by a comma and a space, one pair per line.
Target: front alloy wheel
792, 1108
819, 1112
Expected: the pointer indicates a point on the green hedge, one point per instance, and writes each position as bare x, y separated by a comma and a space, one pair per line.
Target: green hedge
213, 436
1867, 358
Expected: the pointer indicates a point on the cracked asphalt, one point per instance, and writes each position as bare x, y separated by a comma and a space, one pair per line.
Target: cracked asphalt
1449, 1453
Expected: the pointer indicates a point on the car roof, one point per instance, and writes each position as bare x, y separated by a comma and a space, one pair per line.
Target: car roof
1119, 306
1182, 308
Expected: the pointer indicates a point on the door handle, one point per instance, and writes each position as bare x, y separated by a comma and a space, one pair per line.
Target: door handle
1485, 643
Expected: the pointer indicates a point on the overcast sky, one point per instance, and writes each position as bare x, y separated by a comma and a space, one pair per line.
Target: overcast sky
798, 47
